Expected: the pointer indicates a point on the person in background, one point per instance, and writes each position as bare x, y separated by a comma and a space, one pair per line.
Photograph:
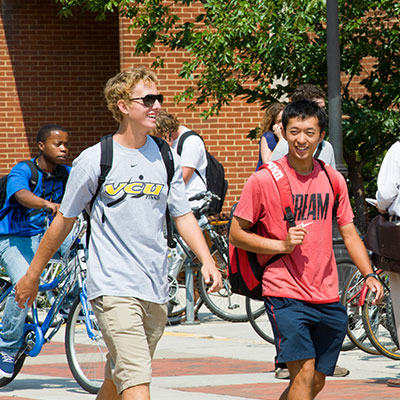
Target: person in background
24, 219
166, 124
324, 151
388, 201
193, 155
270, 132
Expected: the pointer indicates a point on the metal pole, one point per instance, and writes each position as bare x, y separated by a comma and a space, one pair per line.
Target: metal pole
189, 282
335, 104
334, 99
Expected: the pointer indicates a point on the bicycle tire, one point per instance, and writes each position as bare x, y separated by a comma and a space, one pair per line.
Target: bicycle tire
17, 368
86, 357
5, 284
224, 304
379, 323
357, 336
345, 268
259, 320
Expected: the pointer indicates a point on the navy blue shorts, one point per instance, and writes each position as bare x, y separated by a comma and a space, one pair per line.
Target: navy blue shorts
305, 330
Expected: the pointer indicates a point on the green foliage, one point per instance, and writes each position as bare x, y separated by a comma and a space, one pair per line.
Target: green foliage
261, 50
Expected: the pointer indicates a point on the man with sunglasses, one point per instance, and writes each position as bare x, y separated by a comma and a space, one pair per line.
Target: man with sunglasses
127, 254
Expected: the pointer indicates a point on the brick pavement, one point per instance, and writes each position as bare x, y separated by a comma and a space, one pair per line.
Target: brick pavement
335, 388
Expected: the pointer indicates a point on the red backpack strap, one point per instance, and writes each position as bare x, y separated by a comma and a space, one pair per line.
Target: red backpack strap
334, 182
279, 176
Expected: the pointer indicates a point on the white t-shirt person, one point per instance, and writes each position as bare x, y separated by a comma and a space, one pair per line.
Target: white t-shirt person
193, 156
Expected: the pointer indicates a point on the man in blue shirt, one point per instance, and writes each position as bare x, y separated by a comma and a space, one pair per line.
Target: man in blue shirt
25, 216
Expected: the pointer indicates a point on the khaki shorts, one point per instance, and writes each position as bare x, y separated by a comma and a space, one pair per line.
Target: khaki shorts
131, 329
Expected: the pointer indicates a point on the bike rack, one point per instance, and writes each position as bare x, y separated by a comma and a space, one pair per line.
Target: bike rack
189, 282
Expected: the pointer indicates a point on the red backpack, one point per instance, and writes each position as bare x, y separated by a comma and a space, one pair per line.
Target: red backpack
244, 271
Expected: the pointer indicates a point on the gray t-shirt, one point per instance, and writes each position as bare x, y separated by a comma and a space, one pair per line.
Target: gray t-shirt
127, 249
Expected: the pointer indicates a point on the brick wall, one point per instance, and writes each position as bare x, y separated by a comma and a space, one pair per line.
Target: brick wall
52, 71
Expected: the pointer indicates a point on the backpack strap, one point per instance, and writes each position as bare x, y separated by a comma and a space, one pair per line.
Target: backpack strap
334, 182
61, 173
182, 139
106, 159
318, 152
279, 176
168, 159
34, 174
281, 180
180, 148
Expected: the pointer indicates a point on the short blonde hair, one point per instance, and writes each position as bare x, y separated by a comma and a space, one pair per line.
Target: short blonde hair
120, 87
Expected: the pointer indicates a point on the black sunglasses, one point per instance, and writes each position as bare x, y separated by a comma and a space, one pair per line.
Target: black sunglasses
150, 99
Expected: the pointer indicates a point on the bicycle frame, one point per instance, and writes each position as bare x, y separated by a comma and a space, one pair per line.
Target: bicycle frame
364, 290
68, 276
35, 333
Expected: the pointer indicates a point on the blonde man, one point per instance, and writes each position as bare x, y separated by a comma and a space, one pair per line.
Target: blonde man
127, 268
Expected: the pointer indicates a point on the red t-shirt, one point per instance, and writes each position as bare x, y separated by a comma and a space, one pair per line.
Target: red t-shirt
309, 273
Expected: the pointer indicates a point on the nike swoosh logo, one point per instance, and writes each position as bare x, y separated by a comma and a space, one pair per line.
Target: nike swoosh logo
133, 165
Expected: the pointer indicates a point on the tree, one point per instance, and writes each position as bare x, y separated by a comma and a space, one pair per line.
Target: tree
241, 48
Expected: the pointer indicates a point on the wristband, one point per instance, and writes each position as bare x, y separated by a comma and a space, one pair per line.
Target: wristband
373, 274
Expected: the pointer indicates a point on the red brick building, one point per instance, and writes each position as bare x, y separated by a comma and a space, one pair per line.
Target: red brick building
53, 70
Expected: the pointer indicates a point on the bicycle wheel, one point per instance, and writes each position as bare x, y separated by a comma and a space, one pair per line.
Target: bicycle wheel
259, 320
345, 268
224, 304
4, 285
86, 357
17, 368
177, 306
379, 323
355, 329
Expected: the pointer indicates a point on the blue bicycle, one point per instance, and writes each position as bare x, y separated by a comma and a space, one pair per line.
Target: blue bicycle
84, 345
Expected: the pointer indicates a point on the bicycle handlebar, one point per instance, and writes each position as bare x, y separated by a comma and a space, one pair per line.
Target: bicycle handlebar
205, 195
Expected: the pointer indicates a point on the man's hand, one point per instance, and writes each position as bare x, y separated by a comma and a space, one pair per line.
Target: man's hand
54, 207
211, 273
295, 236
26, 290
376, 287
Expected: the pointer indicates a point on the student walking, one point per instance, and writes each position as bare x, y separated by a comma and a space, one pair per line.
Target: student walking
127, 264
301, 288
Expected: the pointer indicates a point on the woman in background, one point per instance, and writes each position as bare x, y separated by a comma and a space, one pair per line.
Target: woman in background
270, 132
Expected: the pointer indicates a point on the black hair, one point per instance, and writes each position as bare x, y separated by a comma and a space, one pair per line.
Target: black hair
307, 91
45, 131
304, 109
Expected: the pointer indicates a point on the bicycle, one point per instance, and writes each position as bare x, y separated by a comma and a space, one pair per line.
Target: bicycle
224, 303
378, 321
82, 334
353, 298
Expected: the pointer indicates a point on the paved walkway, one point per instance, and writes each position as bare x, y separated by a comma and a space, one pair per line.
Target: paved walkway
214, 360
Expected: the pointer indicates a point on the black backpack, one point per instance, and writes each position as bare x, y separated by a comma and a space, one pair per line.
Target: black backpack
3, 185
215, 175
106, 159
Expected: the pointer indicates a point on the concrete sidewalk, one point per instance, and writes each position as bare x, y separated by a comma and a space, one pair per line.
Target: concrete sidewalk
213, 360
